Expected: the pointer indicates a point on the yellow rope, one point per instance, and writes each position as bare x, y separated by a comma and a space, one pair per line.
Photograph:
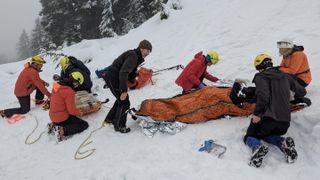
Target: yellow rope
34, 141
85, 143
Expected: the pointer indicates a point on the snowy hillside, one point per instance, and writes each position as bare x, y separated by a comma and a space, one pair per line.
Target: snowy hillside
238, 30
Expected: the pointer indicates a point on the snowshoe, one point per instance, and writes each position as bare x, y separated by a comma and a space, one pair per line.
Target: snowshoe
258, 155
2, 114
288, 148
50, 127
122, 129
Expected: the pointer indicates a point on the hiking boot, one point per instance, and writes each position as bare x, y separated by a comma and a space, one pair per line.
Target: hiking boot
108, 121
59, 132
51, 128
258, 155
2, 113
122, 129
38, 101
289, 151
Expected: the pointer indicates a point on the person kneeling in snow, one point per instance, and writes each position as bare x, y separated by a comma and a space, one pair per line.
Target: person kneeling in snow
63, 112
28, 81
194, 73
271, 117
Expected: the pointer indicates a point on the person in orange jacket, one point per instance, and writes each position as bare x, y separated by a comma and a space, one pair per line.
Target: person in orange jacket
294, 62
63, 111
28, 81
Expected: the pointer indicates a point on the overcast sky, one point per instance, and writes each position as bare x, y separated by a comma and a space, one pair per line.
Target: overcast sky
16, 15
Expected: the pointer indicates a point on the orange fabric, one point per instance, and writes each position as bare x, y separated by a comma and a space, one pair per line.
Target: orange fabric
62, 103
144, 76
201, 105
27, 81
295, 64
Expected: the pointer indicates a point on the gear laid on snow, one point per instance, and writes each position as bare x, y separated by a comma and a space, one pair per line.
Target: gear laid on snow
211, 147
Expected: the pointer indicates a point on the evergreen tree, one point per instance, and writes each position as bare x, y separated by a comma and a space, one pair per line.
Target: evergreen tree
23, 46
38, 38
106, 25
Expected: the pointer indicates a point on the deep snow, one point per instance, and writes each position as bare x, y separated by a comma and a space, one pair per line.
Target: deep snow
238, 30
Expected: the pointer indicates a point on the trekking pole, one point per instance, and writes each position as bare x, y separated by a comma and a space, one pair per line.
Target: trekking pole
177, 67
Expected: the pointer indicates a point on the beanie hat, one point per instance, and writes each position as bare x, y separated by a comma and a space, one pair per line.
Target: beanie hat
285, 43
145, 44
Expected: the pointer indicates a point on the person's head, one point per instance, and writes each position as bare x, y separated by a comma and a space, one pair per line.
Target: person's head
212, 57
145, 47
37, 62
262, 62
285, 46
64, 62
76, 78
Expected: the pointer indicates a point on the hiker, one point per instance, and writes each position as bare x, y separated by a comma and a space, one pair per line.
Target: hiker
63, 111
122, 69
28, 81
271, 117
193, 74
71, 64
294, 62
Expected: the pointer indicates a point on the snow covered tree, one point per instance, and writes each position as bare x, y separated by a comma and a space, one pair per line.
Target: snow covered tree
23, 46
38, 38
106, 25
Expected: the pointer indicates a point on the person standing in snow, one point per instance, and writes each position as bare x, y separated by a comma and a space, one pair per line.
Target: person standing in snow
193, 74
63, 111
271, 117
71, 64
294, 62
122, 70
28, 81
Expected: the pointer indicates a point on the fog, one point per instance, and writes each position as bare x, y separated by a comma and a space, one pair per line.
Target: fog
15, 15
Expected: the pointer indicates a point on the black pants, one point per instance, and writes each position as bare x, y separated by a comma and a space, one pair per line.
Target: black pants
24, 102
73, 125
267, 127
118, 112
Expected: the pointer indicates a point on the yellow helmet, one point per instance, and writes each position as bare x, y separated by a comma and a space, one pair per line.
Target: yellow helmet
64, 62
77, 76
37, 60
214, 56
258, 61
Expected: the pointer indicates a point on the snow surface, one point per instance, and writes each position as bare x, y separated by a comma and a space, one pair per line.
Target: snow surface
238, 30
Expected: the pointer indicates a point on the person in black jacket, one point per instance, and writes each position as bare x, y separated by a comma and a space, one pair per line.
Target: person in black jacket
271, 117
71, 64
122, 69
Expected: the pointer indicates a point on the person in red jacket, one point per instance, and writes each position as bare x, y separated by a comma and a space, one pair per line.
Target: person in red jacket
194, 73
28, 81
63, 111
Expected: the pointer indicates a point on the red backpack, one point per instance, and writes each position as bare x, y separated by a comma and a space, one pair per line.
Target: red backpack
144, 76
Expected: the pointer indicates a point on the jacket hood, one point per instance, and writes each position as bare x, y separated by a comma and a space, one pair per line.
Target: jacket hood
271, 73
199, 55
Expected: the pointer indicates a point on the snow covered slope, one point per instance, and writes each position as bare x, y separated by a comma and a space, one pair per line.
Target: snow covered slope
238, 30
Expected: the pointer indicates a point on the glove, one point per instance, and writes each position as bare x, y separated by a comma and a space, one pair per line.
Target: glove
201, 85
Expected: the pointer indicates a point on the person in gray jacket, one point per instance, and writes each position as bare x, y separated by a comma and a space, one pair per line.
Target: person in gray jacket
122, 70
271, 117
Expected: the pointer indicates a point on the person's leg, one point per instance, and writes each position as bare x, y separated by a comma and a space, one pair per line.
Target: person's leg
252, 139
24, 107
39, 97
73, 125
125, 108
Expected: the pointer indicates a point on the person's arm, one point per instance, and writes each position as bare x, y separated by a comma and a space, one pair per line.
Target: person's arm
39, 83
71, 104
128, 66
194, 68
263, 95
210, 77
